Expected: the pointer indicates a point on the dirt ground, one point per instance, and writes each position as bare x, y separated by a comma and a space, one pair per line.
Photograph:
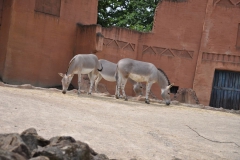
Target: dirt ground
123, 129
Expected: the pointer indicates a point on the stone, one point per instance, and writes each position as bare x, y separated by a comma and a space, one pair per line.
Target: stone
175, 102
6, 155
14, 143
29, 145
40, 158
32, 139
26, 86
67, 148
50, 152
61, 139
101, 157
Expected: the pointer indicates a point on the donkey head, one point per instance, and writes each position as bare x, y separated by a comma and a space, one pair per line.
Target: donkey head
166, 94
66, 80
138, 88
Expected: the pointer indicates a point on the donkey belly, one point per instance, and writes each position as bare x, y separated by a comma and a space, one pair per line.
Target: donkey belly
138, 78
86, 70
109, 78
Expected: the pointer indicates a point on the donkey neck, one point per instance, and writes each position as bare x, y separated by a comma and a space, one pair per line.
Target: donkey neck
162, 80
71, 67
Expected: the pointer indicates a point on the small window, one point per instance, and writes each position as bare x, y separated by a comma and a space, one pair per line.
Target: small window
51, 7
238, 37
174, 89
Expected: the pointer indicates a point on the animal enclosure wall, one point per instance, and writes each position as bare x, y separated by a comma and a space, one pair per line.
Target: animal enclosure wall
219, 45
190, 39
6, 10
119, 43
38, 38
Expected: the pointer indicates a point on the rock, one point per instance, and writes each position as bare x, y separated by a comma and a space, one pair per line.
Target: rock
209, 108
26, 86
14, 143
2, 84
50, 152
13, 86
30, 145
175, 102
6, 155
40, 158
61, 140
67, 148
238, 111
101, 157
54, 89
32, 139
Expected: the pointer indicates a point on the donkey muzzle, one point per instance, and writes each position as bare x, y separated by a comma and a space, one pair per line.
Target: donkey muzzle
64, 92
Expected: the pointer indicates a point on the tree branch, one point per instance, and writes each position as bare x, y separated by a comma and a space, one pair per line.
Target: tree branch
210, 139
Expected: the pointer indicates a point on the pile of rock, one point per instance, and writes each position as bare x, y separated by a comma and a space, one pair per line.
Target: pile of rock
29, 145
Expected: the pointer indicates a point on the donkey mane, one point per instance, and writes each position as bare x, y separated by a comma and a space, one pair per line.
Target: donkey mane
70, 64
164, 75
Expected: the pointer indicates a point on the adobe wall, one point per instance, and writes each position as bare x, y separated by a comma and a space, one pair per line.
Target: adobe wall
189, 40
6, 10
174, 42
119, 43
219, 48
42, 42
173, 45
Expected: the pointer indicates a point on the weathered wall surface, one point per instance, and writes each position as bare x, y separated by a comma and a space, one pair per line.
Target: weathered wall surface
174, 42
189, 40
219, 45
119, 43
41, 42
6, 10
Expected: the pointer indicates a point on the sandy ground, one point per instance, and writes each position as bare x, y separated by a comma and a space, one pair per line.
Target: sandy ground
123, 129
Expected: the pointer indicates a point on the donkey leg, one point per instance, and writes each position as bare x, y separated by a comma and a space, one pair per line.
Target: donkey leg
124, 81
148, 88
97, 81
91, 78
79, 83
118, 87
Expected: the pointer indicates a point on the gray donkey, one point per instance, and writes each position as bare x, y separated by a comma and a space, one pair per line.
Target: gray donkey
108, 73
81, 64
142, 72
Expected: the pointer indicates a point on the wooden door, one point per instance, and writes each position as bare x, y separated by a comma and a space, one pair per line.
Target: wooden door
226, 90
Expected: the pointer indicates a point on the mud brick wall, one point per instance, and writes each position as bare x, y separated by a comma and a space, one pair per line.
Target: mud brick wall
119, 43
190, 39
6, 10
41, 38
219, 45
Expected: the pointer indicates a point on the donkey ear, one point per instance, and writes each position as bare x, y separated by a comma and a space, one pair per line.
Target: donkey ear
168, 87
61, 74
70, 75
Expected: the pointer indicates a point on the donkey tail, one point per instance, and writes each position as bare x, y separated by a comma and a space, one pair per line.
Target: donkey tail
101, 68
117, 79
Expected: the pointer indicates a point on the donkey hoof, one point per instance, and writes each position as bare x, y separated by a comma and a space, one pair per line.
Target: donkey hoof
89, 93
147, 101
125, 99
116, 96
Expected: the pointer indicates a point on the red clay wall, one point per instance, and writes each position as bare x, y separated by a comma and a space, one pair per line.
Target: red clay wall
119, 43
218, 45
6, 10
41, 45
174, 42
189, 41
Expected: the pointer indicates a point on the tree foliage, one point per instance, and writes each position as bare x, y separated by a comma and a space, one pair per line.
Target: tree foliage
132, 14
